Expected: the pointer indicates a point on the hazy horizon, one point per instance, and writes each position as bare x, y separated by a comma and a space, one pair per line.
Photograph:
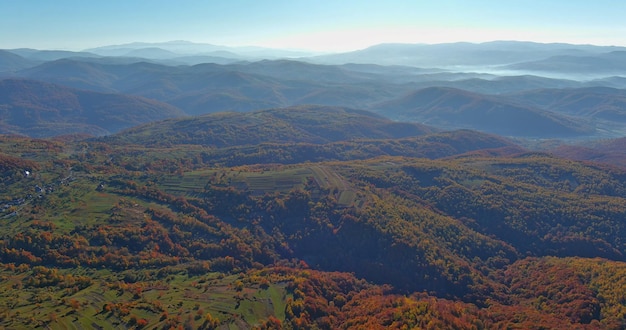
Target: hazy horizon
307, 25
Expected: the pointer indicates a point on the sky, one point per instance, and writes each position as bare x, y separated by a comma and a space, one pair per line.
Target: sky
318, 25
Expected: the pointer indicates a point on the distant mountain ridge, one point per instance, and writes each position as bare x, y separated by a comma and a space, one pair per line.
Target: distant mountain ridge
49, 55
593, 102
462, 53
612, 63
209, 88
183, 48
13, 62
248, 86
512, 55
41, 109
233, 84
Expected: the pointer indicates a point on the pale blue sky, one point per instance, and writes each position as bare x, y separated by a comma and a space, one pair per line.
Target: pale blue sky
336, 25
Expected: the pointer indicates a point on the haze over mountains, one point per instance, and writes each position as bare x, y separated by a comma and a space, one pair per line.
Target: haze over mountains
500, 87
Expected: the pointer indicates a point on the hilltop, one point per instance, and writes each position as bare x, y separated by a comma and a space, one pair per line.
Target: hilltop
311, 124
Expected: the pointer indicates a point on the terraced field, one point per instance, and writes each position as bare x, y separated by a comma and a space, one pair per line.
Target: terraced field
259, 182
190, 298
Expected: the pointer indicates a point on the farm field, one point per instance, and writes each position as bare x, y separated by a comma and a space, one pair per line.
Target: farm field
86, 298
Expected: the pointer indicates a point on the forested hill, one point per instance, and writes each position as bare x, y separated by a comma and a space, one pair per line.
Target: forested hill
376, 236
309, 123
450, 107
520, 105
42, 109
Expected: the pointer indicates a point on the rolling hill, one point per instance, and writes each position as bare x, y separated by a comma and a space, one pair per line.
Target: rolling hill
208, 88
610, 151
72, 73
499, 85
302, 71
593, 102
311, 124
11, 62
160, 236
453, 108
508, 105
609, 63
41, 109
191, 88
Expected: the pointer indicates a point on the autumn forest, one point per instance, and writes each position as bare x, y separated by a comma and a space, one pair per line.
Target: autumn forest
282, 194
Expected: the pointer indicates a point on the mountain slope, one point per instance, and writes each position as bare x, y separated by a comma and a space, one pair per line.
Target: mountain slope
312, 124
502, 84
610, 63
72, 73
41, 109
604, 151
433, 146
13, 62
593, 102
296, 70
184, 86
49, 55
129, 234
453, 108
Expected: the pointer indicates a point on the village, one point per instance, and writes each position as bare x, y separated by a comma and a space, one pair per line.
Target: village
11, 207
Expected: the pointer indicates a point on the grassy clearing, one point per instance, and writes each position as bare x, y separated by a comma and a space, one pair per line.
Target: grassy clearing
279, 179
346, 198
188, 184
78, 204
275, 181
176, 298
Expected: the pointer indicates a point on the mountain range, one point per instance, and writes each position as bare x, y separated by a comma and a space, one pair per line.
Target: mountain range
612, 63
497, 55
181, 48
464, 54
493, 101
